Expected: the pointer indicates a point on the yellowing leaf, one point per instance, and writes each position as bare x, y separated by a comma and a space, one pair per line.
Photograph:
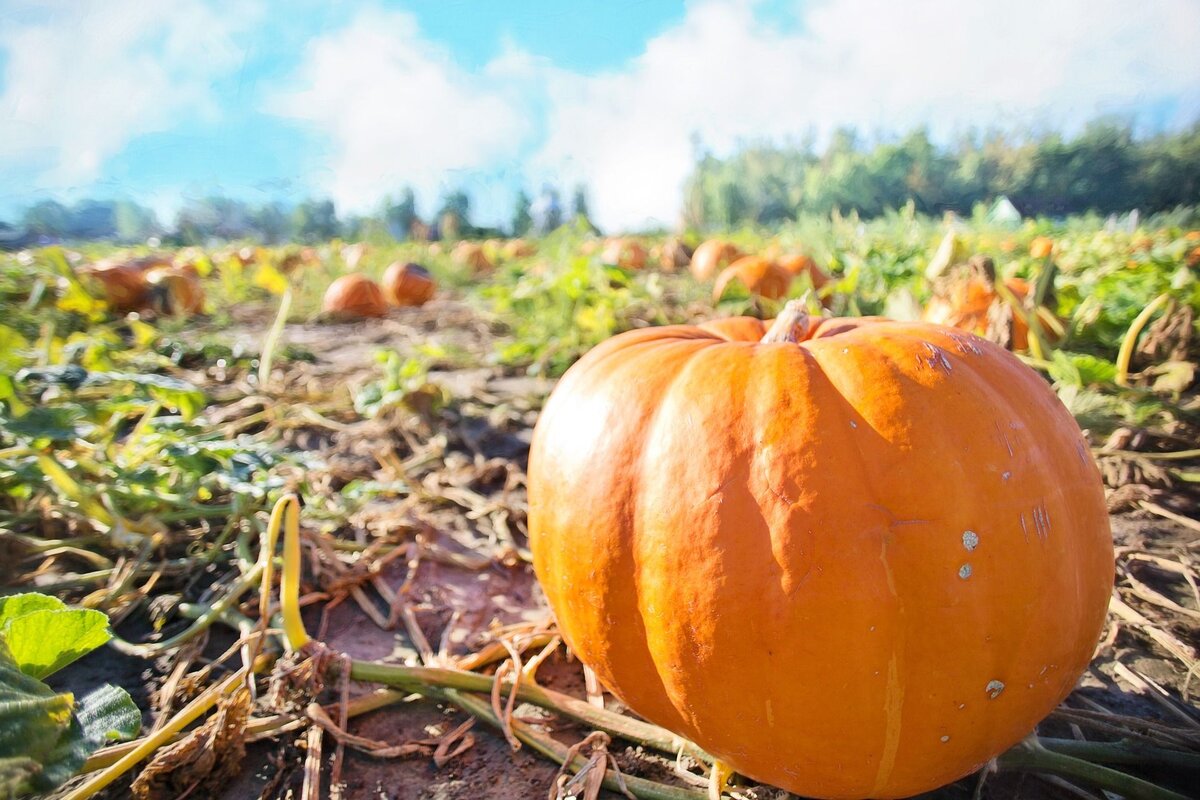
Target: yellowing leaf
271, 279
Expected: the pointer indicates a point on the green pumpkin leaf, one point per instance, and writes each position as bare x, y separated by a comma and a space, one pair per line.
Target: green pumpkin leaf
45, 736
41, 635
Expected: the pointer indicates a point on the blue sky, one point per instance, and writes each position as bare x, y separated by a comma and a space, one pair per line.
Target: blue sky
271, 100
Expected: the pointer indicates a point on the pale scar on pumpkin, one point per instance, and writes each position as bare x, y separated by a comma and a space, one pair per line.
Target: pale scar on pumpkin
970, 540
964, 571
993, 689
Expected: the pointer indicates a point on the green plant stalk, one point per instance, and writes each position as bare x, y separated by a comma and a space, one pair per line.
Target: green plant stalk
249, 580
421, 679
1125, 354
1031, 756
1124, 752
272, 341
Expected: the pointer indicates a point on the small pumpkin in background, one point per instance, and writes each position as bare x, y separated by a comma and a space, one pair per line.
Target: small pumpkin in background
122, 286
713, 256
968, 300
407, 284
674, 255
761, 276
1041, 247
470, 254
175, 290
517, 248
797, 264
851, 582
354, 296
624, 253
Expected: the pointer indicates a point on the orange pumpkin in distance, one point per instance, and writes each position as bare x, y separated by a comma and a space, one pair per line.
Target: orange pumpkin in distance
122, 286
759, 275
970, 302
354, 295
175, 290
857, 563
711, 257
517, 248
674, 254
407, 284
470, 254
1041, 247
624, 253
798, 264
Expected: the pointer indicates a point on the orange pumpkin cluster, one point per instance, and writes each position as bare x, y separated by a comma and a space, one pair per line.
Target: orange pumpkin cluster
356, 296
148, 283
769, 275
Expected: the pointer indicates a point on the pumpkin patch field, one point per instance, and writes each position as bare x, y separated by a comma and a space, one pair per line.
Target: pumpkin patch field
842, 509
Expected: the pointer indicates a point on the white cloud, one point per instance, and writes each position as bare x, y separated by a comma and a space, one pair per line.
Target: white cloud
83, 79
725, 76
397, 110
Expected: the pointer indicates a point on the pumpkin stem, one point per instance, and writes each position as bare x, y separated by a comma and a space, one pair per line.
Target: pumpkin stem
792, 323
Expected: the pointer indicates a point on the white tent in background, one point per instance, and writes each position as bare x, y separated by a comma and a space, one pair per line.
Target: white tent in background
1003, 212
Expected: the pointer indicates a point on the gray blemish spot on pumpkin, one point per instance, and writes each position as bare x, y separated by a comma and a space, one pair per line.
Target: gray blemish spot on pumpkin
853, 424
937, 357
961, 706
1005, 476
993, 689
964, 571
970, 540
945, 739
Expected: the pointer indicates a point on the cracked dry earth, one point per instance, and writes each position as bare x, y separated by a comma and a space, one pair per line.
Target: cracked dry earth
467, 576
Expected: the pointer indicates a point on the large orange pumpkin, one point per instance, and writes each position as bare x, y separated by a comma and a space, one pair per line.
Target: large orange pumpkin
713, 256
407, 284
354, 295
854, 563
761, 276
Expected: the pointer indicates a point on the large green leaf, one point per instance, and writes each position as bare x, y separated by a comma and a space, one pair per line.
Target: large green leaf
33, 722
45, 736
42, 635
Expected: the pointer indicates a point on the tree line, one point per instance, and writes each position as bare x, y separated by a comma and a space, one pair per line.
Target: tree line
218, 218
1105, 168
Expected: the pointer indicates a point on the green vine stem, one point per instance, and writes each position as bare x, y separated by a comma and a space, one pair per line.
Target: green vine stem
421, 679
1123, 752
1032, 756
1125, 354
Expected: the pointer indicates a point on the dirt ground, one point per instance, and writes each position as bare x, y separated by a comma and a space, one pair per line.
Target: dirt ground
468, 576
